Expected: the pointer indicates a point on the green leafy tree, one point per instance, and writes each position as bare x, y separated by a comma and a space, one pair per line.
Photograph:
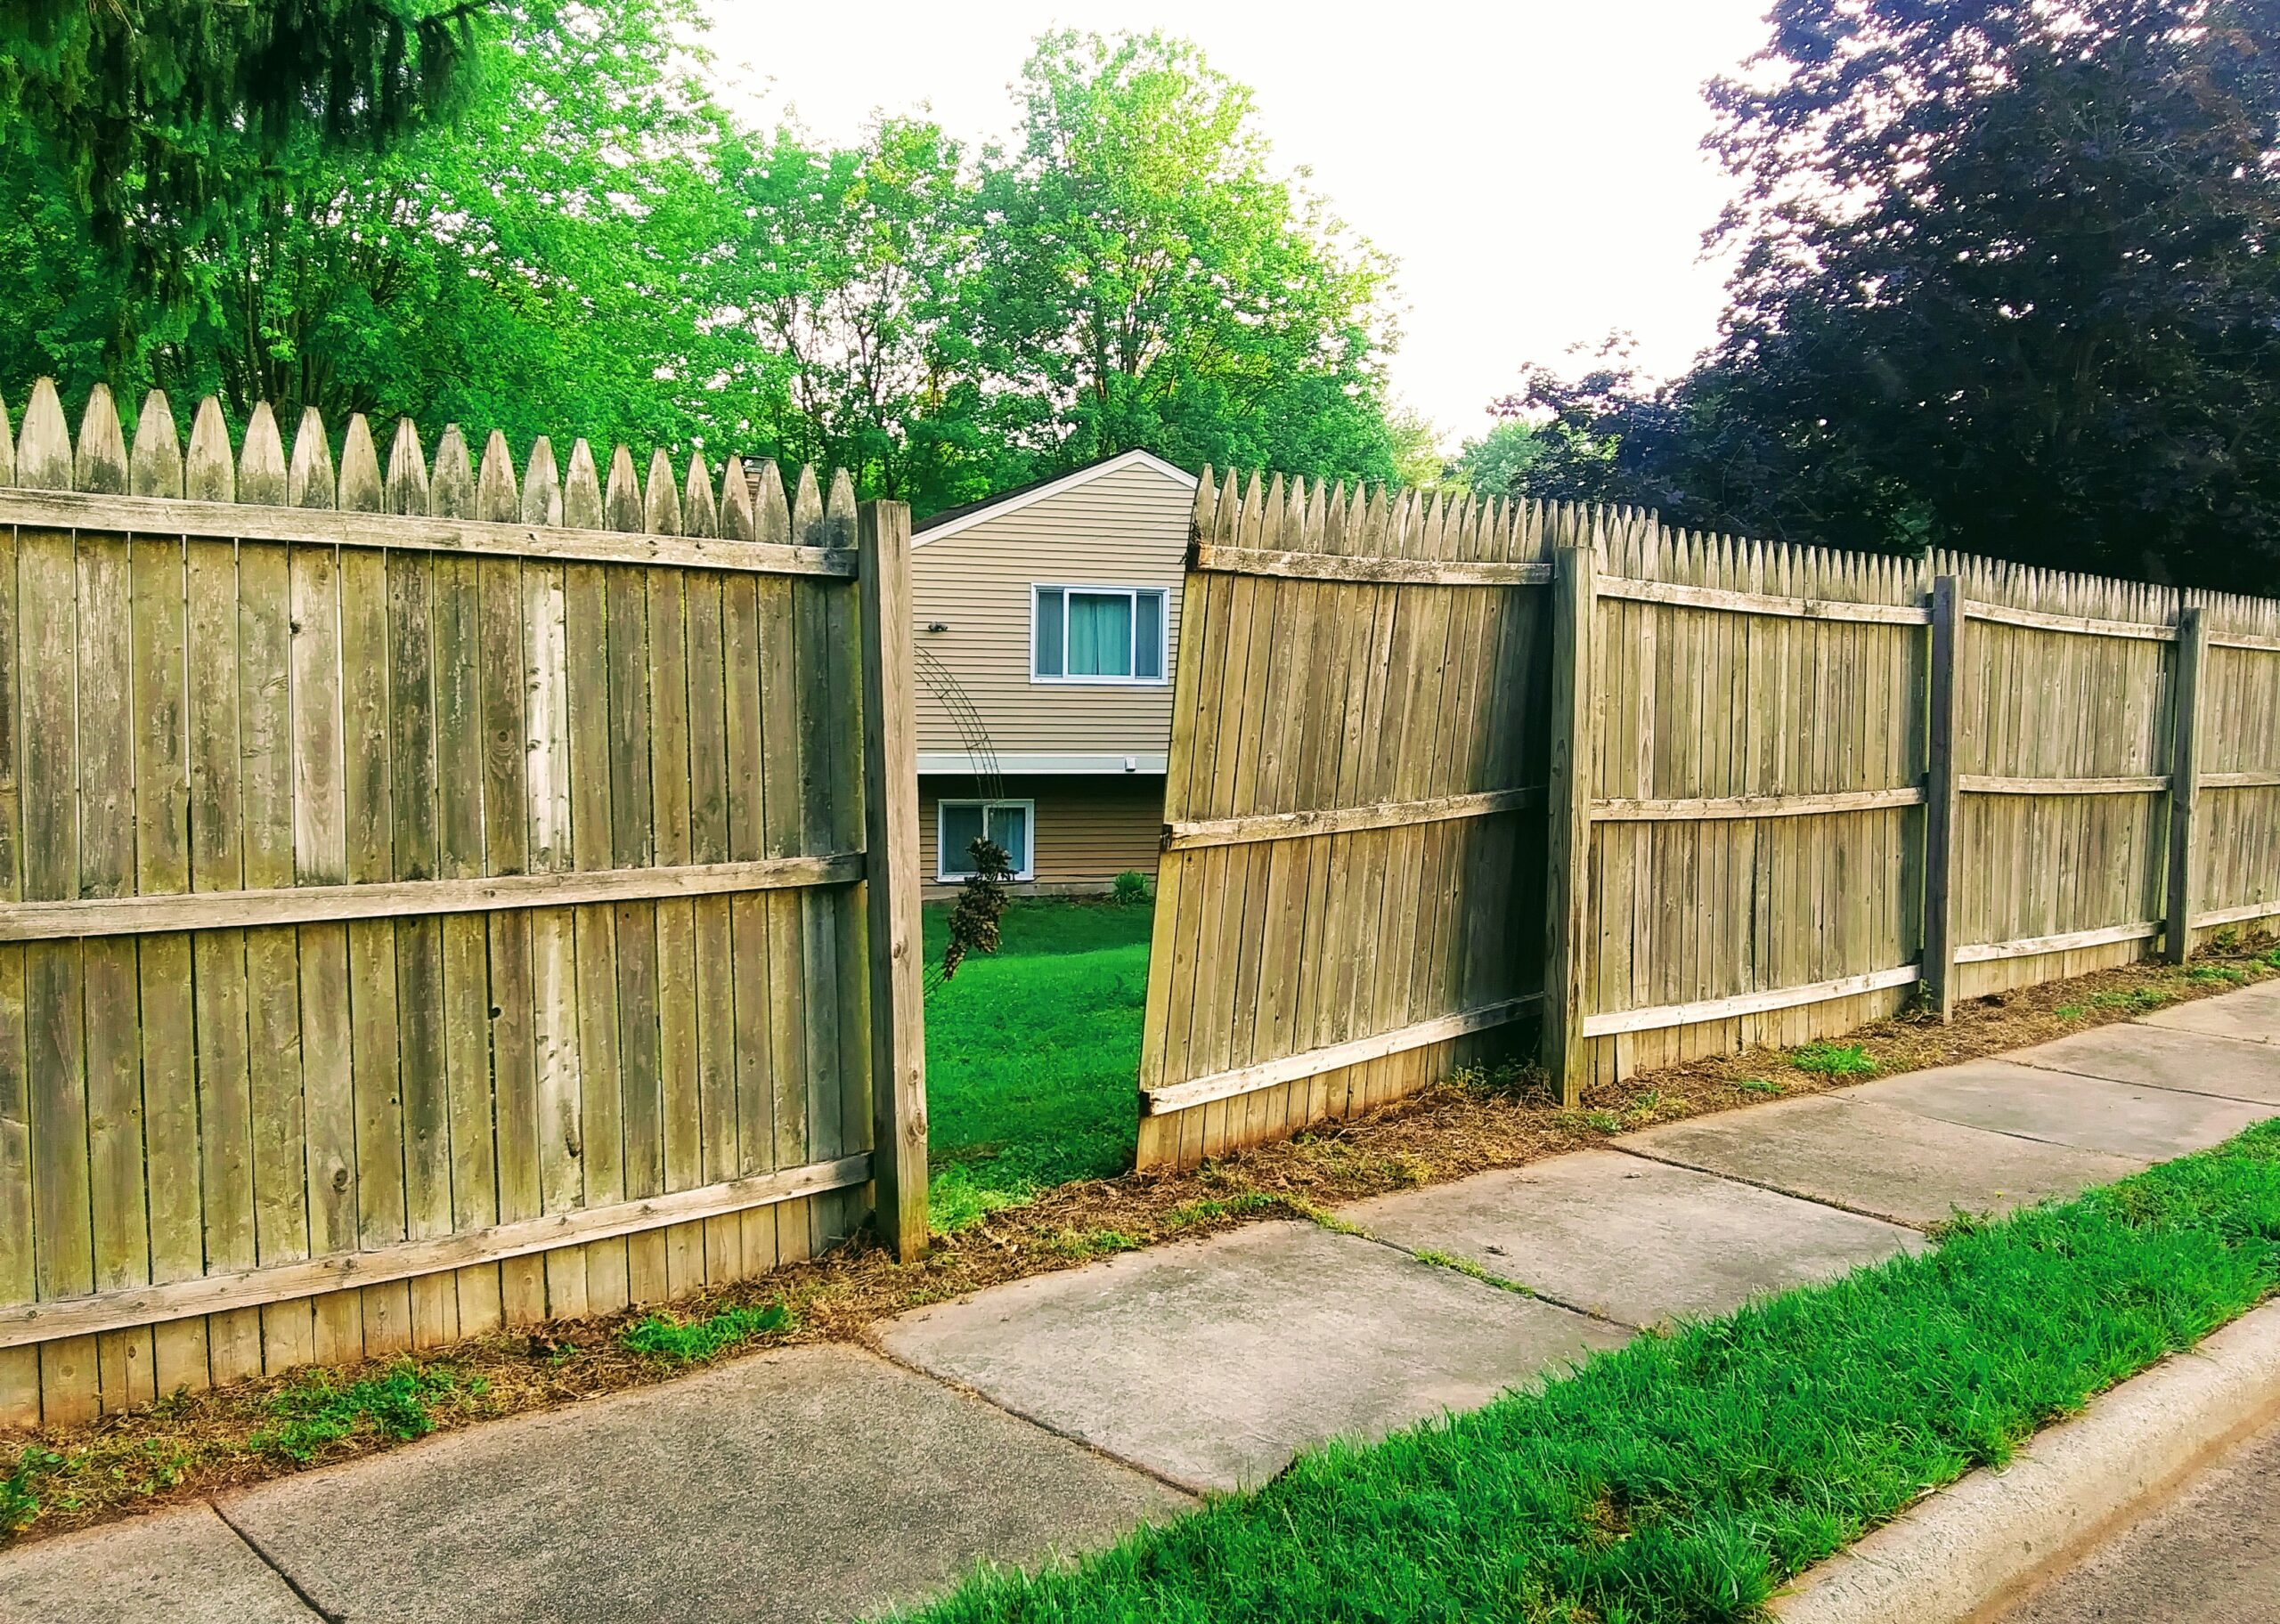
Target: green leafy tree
2009, 281
846, 277
540, 264
1496, 464
159, 109
1145, 280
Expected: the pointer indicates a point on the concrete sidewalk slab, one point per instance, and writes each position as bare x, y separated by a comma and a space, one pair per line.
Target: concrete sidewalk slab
1879, 1159
2252, 1013
2088, 1113
819, 1483
2159, 1057
184, 1566
1214, 1362
1639, 1241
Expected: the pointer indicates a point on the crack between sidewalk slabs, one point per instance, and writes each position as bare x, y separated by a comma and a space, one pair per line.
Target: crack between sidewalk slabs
300, 1592
878, 1350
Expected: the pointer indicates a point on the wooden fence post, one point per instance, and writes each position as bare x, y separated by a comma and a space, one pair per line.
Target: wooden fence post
891, 871
1569, 813
1941, 801
2184, 782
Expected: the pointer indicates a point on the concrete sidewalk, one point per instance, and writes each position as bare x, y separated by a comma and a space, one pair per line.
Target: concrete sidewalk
1049, 1416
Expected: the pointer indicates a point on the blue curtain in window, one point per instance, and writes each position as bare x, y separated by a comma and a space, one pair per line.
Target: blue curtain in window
1148, 640
1100, 635
1048, 632
1009, 826
961, 827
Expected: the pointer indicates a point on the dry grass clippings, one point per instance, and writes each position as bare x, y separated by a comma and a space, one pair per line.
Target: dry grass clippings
192, 1444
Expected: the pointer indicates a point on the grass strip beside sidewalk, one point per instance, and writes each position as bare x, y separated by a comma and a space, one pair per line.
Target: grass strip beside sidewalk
1686, 1476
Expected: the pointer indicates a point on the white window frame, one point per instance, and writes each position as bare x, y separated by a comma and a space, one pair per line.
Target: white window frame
1103, 590
946, 875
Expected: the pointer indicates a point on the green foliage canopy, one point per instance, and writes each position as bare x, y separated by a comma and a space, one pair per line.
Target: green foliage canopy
592, 245
153, 108
2007, 279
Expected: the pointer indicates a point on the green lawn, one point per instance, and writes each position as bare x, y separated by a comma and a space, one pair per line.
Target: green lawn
1032, 1053
1683, 1477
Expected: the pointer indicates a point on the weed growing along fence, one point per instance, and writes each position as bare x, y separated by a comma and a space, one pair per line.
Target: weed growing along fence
1441, 773
432, 900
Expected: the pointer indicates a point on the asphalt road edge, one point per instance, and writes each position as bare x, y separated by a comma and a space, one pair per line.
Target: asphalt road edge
1982, 1542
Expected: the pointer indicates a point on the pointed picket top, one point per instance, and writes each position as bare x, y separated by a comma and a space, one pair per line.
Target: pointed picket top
1247, 516
360, 470
839, 512
1207, 497
1411, 509
698, 515
309, 482
1291, 521
44, 450
155, 467
807, 509
7, 448
208, 474
582, 490
1432, 524
1227, 512
773, 521
735, 522
542, 485
661, 506
621, 497
261, 461
1330, 529
406, 492
496, 498
450, 488
1368, 537
101, 466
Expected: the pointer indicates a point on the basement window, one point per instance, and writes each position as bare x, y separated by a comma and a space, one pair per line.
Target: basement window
958, 823
1098, 634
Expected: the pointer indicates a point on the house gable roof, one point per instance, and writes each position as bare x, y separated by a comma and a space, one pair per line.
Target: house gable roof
952, 520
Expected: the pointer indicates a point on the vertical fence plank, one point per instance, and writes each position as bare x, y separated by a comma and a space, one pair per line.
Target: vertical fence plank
2184, 782
1943, 802
20, 1405
600, 1130
890, 882
1574, 731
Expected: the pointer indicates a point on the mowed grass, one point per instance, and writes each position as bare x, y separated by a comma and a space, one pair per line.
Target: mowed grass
1032, 1054
1683, 1477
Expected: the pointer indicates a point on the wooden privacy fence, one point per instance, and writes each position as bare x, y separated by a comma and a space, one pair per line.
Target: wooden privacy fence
1445, 773
432, 901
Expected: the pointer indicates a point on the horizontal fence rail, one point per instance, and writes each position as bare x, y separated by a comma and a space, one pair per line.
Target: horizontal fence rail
432, 899
1772, 793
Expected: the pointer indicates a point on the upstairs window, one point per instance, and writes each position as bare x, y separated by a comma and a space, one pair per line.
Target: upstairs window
1098, 634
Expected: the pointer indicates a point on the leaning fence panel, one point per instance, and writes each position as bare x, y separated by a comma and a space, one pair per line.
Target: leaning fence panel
1783, 800
1356, 780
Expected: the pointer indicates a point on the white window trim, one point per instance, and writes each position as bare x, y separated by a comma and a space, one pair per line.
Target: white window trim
1103, 588
943, 874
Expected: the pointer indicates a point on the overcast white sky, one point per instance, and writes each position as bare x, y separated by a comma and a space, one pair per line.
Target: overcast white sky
1534, 166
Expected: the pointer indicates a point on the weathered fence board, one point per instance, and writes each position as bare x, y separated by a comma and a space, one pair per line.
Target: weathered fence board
1780, 789
428, 902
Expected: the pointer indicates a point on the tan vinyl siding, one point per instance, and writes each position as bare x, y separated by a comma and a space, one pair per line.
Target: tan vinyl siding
1089, 829
1127, 527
